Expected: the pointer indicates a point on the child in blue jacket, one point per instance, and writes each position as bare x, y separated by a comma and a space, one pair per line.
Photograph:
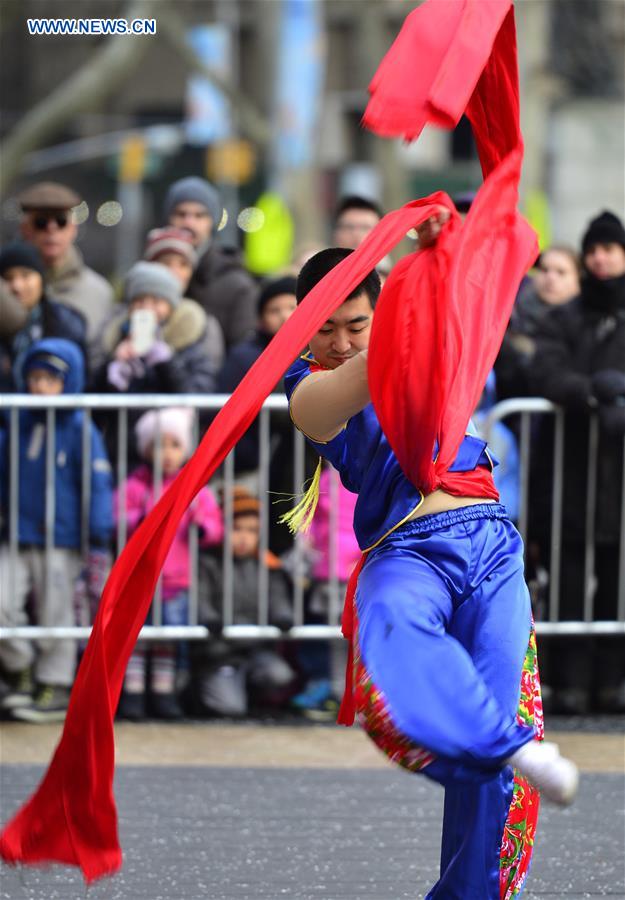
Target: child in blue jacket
38, 677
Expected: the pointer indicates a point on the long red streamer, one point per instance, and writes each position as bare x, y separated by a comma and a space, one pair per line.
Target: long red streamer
71, 818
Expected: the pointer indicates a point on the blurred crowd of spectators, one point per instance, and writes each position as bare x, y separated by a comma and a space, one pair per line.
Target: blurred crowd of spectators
191, 319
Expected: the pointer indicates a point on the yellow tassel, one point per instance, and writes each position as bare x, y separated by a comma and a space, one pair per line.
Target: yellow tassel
300, 517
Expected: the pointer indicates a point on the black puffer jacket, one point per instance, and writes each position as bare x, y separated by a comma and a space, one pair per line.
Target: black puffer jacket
580, 364
514, 362
52, 319
223, 288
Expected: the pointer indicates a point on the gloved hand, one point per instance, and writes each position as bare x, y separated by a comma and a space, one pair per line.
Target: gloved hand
159, 352
608, 385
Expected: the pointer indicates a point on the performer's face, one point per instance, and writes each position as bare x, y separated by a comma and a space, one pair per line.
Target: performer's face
345, 334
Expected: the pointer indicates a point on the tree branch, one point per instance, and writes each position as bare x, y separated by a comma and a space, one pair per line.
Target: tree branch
86, 89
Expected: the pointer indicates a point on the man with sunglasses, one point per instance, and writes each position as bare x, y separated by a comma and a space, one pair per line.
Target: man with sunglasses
48, 224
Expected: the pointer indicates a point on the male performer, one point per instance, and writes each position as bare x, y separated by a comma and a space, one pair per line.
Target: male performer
442, 609
443, 624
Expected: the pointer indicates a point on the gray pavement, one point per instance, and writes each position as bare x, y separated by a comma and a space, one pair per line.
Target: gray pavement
214, 833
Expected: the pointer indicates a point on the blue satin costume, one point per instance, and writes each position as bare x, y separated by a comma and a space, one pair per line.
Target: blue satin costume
443, 626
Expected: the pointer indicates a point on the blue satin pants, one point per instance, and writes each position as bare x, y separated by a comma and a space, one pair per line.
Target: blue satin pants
443, 626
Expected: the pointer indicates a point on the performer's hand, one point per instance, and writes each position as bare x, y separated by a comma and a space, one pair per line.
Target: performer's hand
429, 230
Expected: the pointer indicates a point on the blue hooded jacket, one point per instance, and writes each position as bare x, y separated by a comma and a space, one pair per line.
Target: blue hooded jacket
68, 441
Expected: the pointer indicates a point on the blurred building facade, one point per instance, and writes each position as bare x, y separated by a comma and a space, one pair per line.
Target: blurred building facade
572, 79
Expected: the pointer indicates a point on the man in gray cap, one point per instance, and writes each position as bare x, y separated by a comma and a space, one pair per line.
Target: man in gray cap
220, 283
49, 225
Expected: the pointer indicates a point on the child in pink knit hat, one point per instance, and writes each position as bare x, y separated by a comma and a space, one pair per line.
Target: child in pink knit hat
166, 434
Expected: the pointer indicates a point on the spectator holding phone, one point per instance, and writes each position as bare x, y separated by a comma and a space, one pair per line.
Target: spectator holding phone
159, 347
173, 248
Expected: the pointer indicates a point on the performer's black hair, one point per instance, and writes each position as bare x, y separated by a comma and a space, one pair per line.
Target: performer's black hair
323, 262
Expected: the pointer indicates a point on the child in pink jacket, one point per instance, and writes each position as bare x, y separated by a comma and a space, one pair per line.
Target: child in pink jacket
333, 558
172, 428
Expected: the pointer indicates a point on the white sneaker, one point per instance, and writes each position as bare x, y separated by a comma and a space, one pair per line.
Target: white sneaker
555, 777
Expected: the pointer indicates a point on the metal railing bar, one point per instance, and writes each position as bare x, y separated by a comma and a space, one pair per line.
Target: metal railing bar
556, 516
228, 567
14, 479
194, 557
263, 493
85, 482
269, 632
524, 488
50, 498
122, 473
298, 546
591, 513
620, 614
127, 401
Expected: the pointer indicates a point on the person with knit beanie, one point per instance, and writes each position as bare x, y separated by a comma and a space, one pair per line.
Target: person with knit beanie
580, 365
605, 229
157, 346
220, 283
276, 302
152, 293
193, 203
173, 248
164, 441
160, 344
22, 274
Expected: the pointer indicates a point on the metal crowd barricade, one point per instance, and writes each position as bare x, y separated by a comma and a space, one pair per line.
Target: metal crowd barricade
525, 407
93, 403
276, 405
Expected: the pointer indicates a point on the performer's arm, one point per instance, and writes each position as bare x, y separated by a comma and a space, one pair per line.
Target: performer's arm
324, 401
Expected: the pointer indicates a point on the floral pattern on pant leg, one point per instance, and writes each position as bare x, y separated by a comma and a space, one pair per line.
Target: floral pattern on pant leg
374, 718
520, 828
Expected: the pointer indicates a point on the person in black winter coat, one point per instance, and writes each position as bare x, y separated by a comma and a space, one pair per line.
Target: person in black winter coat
21, 269
275, 304
555, 283
220, 283
158, 347
580, 365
